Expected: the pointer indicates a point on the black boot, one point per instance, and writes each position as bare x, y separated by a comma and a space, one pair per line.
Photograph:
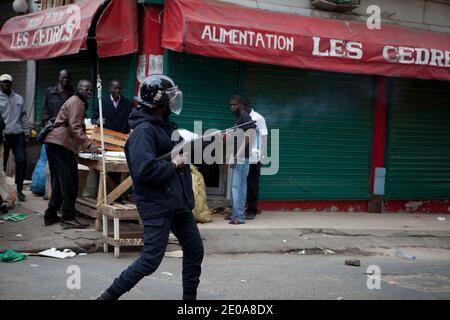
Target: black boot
106, 296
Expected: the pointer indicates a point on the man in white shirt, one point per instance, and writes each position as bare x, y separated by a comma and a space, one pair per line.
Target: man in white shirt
256, 152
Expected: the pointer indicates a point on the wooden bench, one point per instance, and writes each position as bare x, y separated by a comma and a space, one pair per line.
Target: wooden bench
118, 212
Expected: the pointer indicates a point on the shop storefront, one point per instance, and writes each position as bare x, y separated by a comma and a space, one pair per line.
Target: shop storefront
86, 38
343, 97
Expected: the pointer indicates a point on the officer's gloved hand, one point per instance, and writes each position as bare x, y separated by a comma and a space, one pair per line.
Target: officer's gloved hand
94, 150
179, 161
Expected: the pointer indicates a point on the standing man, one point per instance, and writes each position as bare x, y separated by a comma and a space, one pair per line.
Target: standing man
257, 151
55, 96
17, 130
240, 164
162, 189
116, 109
62, 145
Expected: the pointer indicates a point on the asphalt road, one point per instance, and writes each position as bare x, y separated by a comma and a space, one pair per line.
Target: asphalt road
287, 276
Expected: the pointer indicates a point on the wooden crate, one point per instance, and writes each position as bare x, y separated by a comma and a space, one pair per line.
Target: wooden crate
114, 141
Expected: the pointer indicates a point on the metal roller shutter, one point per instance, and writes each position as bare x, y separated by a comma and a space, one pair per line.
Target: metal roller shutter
325, 123
418, 151
207, 86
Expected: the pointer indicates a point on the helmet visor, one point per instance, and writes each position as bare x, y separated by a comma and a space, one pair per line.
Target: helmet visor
175, 100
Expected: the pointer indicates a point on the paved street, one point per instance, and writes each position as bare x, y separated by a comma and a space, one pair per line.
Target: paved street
279, 255
240, 276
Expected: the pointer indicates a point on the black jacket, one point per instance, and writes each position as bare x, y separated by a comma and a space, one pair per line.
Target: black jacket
53, 101
158, 189
115, 118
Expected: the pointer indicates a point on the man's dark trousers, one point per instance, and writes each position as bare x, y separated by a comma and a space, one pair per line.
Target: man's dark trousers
253, 188
17, 143
156, 237
64, 181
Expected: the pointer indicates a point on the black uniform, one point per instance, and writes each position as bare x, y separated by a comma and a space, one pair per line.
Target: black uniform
164, 199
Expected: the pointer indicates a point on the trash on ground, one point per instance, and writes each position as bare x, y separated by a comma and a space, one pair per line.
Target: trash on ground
19, 235
326, 251
284, 241
174, 254
302, 252
353, 262
244, 280
14, 217
403, 255
340, 298
394, 283
12, 256
82, 254
34, 265
441, 218
53, 253
167, 273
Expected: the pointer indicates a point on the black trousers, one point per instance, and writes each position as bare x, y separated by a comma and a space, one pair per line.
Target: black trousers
16, 143
253, 188
64, 181
156, 237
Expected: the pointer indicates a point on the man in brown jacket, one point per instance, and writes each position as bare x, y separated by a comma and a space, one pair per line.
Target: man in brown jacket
62, 145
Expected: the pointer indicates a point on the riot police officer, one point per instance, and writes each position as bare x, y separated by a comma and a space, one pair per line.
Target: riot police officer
162, 189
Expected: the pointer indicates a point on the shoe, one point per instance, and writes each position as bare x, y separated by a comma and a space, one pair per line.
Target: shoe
250, 216
4, 207
49, 220
21, 196
234, 221
73, 224
227, 217
106, 296
190, 297
258, 211
46, 197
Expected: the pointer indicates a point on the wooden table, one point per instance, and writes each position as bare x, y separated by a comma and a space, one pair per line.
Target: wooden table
90, 206
97, 208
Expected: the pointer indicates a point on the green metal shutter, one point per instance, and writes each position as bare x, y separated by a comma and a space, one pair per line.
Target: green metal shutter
207, 86
418, 150
325, 124
81, 67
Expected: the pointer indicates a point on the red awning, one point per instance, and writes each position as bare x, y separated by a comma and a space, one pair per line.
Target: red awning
218, 29
63, 31
117, 29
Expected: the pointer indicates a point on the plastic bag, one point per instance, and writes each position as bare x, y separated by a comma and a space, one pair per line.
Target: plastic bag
201, 211
12, 256
38, 177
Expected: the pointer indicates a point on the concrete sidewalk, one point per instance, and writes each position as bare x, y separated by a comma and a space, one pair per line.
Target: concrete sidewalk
269, 232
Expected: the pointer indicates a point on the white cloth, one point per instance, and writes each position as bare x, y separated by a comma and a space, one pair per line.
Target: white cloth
3, 181
261, 131
115, 103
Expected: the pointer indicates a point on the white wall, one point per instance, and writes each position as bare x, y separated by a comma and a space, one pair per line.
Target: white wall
433, 15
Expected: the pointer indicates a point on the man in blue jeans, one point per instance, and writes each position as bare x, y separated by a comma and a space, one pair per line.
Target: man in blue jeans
17, 130
162, 189
240, 159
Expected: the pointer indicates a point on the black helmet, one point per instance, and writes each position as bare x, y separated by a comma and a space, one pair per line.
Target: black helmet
159, 90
